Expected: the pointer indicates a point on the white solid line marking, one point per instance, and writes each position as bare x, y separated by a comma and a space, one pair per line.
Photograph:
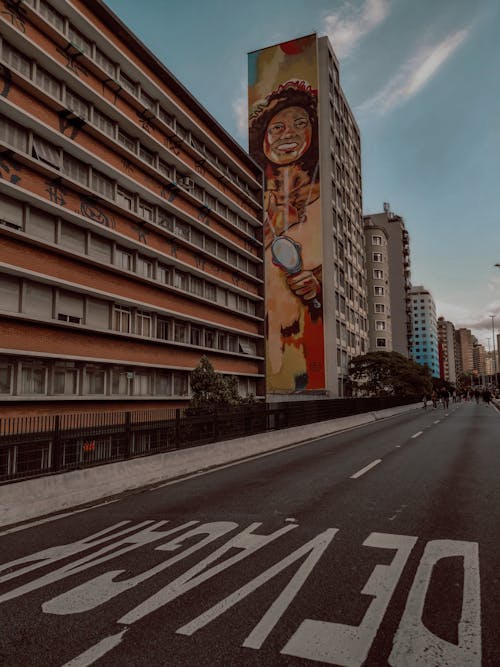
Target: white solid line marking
437, 421
97, 651
365, 469
55, 517
398, 446
415, 435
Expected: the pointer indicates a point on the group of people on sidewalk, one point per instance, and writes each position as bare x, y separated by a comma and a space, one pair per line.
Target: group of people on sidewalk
443, 397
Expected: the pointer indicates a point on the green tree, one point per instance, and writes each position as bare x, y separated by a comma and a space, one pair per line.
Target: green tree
388, 374
212, 391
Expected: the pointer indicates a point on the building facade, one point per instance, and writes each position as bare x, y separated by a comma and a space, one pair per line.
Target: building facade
447, 351
130, 221
388, 281
465, 343
424, 325
479, 362
304, 135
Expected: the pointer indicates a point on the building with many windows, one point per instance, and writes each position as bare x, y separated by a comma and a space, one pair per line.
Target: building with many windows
465, 358
387, 244
130, 221
424, 323
305, 136
447, 351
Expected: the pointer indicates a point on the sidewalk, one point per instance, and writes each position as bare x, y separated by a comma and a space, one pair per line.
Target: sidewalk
32, 498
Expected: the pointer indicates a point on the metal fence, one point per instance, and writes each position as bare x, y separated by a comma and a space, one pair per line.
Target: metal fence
47, 444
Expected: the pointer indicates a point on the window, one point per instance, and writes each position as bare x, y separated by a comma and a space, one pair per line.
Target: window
181, 280
379, 308
142, 383
378, 291
210, 292
77, 105
37, 300
163, 384
146, 155
102, 185
144, 324
51, 16
196, 336
103, 123
120, 381
196, 286
94, 381
72, 237
165, 169
165, 220
16, 60
376, 240
182, 229
97, 313
105, 63
46, 152
65, 379
163, 329
33, 379
180, 384
11, 212
166, 117
164, 274
148, 101
124, 198
144, 267
127, 84
121, 319
379, 325
209, 338
13, 134
75, 169
48, 83
100, 249
221, 341
378, 273
377, 257
5, 378
70, 307
127, 141
9, 293
145, 210
180, 333
78, 40
242, 304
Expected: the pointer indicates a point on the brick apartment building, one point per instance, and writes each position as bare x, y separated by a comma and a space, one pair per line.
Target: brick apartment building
130, 222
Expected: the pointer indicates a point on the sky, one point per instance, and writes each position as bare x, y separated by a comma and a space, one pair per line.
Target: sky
423, 80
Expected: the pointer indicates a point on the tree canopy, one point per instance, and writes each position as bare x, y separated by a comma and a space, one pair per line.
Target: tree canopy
388, 374
211, 390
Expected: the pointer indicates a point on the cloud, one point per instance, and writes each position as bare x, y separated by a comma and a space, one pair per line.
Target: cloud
347, 26
240, 109
414, 74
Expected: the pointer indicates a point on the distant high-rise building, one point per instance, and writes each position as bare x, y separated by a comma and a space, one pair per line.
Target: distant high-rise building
464, 340
447, 352
388, 282
479, 360
304, 135
424, 321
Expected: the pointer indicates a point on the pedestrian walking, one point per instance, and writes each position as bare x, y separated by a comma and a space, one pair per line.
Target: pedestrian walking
424, 401
445, 397
477, 395
487, 396
434, 399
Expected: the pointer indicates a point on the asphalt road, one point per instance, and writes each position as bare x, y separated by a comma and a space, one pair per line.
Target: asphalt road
375, 546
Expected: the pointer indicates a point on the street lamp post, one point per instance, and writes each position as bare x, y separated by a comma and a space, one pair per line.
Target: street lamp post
494, 349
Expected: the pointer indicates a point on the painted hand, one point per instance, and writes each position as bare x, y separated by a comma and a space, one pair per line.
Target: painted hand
305, 285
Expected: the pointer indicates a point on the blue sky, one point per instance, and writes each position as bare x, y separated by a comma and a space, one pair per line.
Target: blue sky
423, 79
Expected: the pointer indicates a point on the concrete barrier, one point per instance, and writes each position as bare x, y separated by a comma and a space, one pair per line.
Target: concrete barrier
32, 498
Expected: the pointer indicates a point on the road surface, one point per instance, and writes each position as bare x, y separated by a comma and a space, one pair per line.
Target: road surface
375, 546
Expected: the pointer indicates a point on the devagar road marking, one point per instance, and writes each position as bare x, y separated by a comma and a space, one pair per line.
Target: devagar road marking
414, 643
366, 469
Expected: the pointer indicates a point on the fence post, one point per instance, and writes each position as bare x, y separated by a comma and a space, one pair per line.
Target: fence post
177, 434
56, 444
128, 436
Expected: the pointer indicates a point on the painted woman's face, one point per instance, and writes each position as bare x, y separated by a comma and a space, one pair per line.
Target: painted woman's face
288, 135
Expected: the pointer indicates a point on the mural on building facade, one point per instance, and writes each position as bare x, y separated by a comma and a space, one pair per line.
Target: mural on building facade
284, 140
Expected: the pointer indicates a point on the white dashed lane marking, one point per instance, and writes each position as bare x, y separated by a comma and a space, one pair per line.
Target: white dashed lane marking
366, 469
415, 435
